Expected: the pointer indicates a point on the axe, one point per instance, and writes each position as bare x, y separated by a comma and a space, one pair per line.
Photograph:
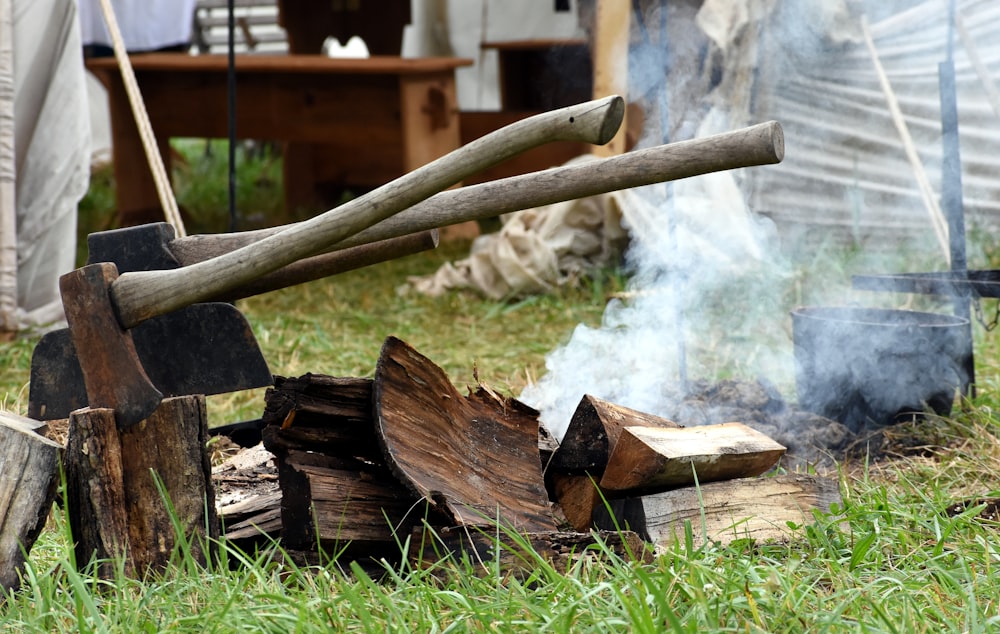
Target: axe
101, 305
57, 385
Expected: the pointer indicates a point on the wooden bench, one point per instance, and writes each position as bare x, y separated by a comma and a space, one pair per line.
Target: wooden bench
384, 116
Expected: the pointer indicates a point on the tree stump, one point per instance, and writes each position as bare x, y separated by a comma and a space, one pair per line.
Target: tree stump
29, 469
114, 502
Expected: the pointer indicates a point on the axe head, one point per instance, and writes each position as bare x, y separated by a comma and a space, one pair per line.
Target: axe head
202, 349
110, 365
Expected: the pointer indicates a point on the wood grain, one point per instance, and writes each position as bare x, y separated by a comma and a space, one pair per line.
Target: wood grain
475, 458
658, 458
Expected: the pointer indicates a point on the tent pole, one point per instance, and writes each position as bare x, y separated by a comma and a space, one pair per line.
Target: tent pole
8, 210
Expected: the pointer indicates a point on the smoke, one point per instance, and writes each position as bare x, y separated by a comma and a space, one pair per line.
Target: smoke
708, 289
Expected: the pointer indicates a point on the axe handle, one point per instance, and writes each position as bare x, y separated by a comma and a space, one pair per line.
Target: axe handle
140, 295
334, 262
761, 144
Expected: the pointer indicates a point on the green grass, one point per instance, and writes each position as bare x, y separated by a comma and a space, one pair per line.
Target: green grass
888, 560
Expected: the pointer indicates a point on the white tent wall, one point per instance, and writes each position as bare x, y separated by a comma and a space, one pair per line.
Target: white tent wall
845, 175
8, 212
51, 135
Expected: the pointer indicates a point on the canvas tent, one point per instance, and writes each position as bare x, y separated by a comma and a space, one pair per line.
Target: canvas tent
46, 157
846, 174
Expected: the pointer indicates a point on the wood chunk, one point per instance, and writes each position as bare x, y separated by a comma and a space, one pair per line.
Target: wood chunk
561, 549
578, 496
329, 501
253, 520
115, 507
656, 458
756, 508
475, 458
593, 432
343, 398
29, 475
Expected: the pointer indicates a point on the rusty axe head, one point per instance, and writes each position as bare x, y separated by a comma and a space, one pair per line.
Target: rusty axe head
112, 372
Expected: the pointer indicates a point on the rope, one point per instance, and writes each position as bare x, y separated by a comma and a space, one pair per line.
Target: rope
163, 190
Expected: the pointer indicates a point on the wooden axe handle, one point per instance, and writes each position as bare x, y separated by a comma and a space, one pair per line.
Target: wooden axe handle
140, 295
761, 144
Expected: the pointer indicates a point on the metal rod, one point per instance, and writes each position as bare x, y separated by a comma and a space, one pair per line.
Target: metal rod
951, 193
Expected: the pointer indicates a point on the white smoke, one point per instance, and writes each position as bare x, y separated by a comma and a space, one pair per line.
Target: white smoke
699, 253
691, 252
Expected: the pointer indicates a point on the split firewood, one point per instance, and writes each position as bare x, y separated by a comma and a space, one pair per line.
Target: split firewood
336, 487
248, 497
29, 475
492, 548
114, 501
322, 412
582, 456
578, 496
761, 509
592, 434
474, 458
252, 521
648, 459
328, 502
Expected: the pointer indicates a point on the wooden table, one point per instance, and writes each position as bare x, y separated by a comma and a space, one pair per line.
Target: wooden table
385, 116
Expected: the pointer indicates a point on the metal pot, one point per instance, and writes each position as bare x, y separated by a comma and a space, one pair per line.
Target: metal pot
870, 367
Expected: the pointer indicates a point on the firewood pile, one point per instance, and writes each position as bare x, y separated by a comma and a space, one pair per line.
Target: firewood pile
365, 465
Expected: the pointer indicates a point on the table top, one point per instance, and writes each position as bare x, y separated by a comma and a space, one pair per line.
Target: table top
377, 65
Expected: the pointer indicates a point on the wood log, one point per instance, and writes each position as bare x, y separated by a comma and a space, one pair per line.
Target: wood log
252, 521
578, 496
648, 459
756, 508
29, 475
336, 487
115, 506
321, 413
593, 432
248, 498
475, 459
330, 503
490, 548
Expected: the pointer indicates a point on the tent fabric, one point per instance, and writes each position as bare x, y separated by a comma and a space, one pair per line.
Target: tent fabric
537, 249
146, 25
845, 175
51, 134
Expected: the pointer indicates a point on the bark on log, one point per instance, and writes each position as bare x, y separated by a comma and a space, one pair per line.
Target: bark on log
758, 508
329, 502
475, 458
29, 468
335, 484
115, 506
649, 459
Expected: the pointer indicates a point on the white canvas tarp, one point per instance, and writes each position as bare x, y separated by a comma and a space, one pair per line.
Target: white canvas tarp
51, 144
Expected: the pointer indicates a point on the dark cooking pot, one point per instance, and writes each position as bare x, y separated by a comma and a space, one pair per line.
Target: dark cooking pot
871, 367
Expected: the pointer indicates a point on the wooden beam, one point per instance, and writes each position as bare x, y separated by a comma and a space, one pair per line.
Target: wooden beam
611, 35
